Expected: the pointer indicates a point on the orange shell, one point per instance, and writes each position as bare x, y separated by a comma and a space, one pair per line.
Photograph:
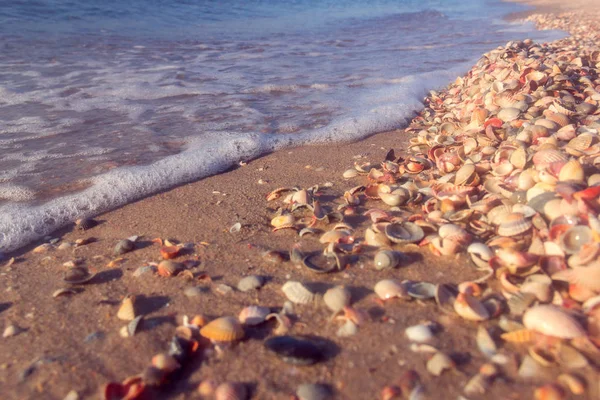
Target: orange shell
169, 252
224, 329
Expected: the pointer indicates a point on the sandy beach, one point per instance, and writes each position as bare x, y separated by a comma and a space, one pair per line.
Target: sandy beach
72, 342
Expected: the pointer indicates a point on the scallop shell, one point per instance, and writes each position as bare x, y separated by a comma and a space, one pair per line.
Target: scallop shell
571, 171
404, 232
224, 329
250, 282
297, 293
514, 224
552, 321
231, 391
127, 310
470, 308
386, 259
253, 315
543, 158
509, 114
389, 289
337, 298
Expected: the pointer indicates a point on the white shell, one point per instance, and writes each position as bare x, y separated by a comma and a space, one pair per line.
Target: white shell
419, 333
297, 293
389, 288
337, 298
552, 321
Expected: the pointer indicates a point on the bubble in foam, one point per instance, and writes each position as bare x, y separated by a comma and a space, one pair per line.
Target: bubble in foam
12, 192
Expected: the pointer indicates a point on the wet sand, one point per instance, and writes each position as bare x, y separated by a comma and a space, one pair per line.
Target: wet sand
73, 342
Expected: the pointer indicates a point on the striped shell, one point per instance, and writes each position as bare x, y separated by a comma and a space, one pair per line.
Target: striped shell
552, 321
224, 329
249, 282
253, 315
514, 224
571, 171
297, 293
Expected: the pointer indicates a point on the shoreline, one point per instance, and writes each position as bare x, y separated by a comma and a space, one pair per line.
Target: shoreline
62, 331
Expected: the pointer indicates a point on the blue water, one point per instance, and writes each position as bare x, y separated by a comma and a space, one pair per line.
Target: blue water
102, 102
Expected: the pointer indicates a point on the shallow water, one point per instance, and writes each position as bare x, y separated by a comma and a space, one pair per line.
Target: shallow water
104, 102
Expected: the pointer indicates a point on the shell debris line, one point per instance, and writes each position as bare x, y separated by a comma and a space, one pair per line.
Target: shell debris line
501, 175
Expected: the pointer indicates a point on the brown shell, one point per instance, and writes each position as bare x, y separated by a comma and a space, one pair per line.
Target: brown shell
169, 268
127, 310
224, 329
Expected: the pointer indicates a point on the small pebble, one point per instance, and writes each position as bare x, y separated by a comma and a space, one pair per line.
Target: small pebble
193, 291
223, 289
12, 330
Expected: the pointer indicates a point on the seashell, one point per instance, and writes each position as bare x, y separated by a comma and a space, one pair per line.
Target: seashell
571, 171
421, 290
586, 276
514, 224
386, 259
350, 173
275, 194
250, 282
295, 350
542, 356
207, 387
313, 391
498, 214
165, 362
127, 309
231, 391
224, 329
465, 174
549, 391
559, 118
439, 363
531, 370
552, 321
12, 330
350, 328
86, 223
538, 285
337, 298
543, 158
519, 336
253, 315
324, 263
575, 238
131, 328
470, 308
389, 289
283, 221
334, 236
123, 246
297, 293
570, 358
77, 275
480, 254
307, 231
404, 232
575, 384
64, 292
509, 114
144, 270
376, 239
485, 342
169, 252
518, 158
169, 268
477, 385
419, 333
42, 248
445, 296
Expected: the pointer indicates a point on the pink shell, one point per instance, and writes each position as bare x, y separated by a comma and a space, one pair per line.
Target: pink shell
552, 321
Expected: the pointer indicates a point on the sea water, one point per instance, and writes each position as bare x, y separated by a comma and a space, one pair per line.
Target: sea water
103, 102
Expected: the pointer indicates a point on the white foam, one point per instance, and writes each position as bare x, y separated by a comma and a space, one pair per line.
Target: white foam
12, 192
211, 153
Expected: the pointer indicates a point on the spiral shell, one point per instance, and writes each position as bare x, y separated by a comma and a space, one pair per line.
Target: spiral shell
127, 310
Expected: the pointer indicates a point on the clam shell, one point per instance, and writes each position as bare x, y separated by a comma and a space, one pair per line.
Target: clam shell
386, 259
250, 282
576, 237
350, 173
124, 246
543, 158
404, 232
348, 329
231, 391
509, 114
477, 385
253, 315
532, 371
389, 289
168, 268
571, 171
224, 329
127, 309
445, 296
283, 221
470, 308
313, 391
514, 224
421, 290
77, 275
439, 363
419, 333
297, 293
485, 342
337, 298
552, 321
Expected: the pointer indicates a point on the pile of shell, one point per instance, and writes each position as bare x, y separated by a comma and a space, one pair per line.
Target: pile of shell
504, 165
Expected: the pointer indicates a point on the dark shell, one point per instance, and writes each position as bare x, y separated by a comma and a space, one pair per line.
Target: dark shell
124, 246
135, 325
77, 275
86, 223
295, 350
180, 348
322, 264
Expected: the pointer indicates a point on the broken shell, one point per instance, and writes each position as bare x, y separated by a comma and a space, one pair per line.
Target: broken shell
313, 391
404, 232
249, 282
283, 221
124, 246
127, 310
421, 290
572, 382
169, 252
135, 325
253, 315
337, 298
77, 275
64, 292
485, 342
295, 350
224, 329
324, 263
439, 363
549, 392
165, 362
348, 329
389, 289
334, 236
386, 259
42, 248
297, 293
12, 330
470, 308
552, 321
419, 333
